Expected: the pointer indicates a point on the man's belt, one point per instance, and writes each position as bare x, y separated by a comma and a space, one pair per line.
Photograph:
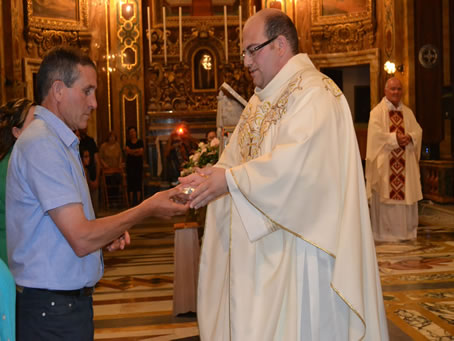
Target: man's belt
87, 291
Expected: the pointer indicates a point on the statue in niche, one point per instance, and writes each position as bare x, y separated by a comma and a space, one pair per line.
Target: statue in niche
204, 67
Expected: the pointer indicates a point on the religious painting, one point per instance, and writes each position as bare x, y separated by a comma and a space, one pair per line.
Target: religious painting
57, 14
341, 11
343, 7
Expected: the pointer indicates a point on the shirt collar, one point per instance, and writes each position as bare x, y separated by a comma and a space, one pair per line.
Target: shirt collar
57, 125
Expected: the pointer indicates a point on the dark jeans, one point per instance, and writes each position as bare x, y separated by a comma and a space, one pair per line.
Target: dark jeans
48, 316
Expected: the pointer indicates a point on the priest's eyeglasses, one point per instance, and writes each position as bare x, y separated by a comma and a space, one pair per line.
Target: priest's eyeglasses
251, 51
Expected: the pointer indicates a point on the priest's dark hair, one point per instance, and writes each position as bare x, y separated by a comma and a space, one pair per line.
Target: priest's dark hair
60, 64
278, 23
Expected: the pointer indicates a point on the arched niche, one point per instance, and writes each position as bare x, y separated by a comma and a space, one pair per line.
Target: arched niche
204, 70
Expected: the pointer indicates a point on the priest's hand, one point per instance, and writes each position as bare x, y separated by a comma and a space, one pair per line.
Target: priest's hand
210, 183
403, 139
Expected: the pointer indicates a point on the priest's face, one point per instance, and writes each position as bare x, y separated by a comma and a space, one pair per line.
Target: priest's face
393, 91
260, 52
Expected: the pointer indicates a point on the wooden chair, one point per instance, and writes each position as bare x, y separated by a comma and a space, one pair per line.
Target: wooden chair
114, 188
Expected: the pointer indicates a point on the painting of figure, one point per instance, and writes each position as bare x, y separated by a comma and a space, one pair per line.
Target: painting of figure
61, 9
343, 7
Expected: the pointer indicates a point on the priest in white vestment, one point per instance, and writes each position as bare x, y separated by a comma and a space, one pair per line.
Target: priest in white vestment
392, 167
288, 252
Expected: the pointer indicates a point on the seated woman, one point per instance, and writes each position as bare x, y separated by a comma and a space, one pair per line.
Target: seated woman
179, 146
110, 152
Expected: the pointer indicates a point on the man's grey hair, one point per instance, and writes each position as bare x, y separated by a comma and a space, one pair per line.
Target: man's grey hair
59, 64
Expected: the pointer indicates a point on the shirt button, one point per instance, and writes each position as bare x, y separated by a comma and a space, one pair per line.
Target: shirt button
70, 305
4, 317
52, 303
43, 314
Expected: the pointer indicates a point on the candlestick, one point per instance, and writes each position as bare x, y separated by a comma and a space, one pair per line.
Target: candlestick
180, 27
226, 38
149, 35
164, 32
240, 22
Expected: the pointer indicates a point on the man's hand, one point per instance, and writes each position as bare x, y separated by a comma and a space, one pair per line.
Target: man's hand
163, 205
209, 183
119, 243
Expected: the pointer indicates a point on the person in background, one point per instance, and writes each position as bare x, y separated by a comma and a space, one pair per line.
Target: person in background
210, 136
178, 148
392, 167
110, 155
288, 252
54, 240
134, 166
15, 116
94, 175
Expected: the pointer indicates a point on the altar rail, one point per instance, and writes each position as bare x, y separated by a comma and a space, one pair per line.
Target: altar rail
437, 177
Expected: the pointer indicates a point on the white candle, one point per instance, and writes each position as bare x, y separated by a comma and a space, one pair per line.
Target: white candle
226, 38
180, 33
253, 9
164, 32
149, 35
240, 30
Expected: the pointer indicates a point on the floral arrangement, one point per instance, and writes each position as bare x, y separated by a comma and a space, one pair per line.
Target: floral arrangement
207, 154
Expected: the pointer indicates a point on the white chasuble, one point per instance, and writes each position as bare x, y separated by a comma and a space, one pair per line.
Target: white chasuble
288, 254
380, 145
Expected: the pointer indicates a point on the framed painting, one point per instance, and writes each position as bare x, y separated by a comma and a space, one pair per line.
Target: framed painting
341, 11
57, 14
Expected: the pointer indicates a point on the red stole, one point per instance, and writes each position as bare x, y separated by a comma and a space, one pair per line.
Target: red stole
397, 159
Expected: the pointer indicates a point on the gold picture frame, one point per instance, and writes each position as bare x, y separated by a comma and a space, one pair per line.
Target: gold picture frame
62, 15
342, 25
326, 12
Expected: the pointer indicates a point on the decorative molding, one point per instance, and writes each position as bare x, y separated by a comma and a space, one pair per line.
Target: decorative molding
389, 28
128, 35
171, 87
31, 67
131, 94
64, 28
344, 31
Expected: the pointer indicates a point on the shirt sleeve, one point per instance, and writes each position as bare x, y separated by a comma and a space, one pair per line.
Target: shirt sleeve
48, 171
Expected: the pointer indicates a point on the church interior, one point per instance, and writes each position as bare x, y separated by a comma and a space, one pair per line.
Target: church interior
161, 63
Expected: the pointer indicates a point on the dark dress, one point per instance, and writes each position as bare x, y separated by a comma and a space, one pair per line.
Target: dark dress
134, 168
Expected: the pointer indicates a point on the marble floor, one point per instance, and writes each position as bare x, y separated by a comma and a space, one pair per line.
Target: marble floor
133, 301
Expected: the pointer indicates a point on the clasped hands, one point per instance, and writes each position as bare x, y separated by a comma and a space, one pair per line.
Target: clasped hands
403, 139
201, 187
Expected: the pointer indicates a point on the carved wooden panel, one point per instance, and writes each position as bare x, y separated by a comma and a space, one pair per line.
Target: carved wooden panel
342, 26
